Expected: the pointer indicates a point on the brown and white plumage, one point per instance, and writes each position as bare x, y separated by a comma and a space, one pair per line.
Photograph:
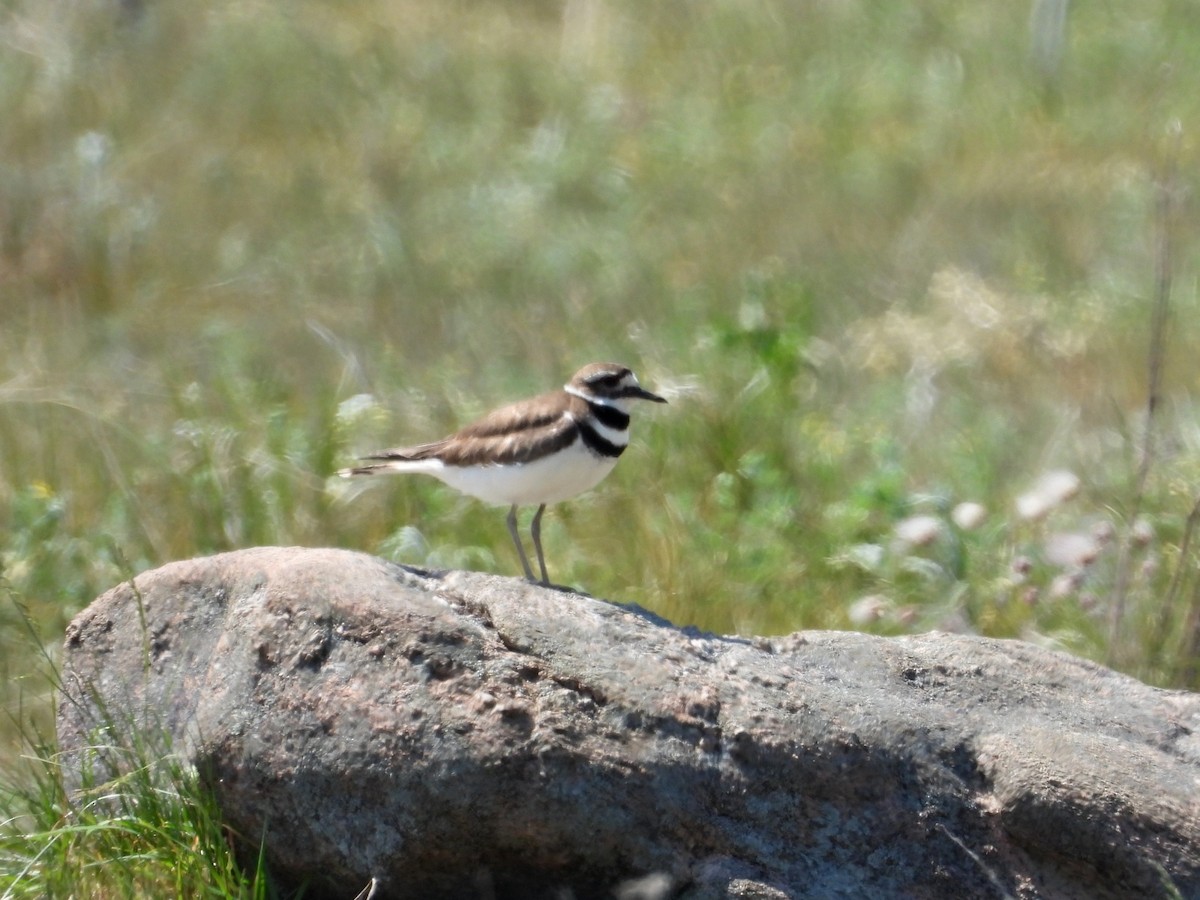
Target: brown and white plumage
537, 451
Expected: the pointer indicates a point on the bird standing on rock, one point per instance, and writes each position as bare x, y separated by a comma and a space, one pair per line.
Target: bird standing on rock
537, 451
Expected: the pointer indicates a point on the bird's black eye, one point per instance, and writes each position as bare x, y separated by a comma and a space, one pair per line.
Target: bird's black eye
607, 381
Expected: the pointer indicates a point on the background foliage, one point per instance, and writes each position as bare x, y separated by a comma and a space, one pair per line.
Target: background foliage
885, 259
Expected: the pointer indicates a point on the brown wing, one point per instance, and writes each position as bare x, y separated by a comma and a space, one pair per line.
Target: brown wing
512, 434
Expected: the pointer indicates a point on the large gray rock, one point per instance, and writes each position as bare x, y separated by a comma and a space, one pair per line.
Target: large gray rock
465, 735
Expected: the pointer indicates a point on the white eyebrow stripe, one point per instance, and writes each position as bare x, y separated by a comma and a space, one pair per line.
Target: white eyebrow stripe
614, 402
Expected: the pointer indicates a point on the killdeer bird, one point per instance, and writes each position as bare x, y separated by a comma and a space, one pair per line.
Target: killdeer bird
541, 450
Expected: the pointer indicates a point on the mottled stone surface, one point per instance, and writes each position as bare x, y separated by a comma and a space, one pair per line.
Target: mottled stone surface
463, 735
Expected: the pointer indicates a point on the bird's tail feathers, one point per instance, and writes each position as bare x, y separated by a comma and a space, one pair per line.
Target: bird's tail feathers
359, 470
373, 469
390, 467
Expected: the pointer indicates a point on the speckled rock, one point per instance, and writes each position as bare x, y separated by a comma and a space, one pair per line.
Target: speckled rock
464, 735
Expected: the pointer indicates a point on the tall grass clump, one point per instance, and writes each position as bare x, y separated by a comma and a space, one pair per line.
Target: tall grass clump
122, 817
154, 831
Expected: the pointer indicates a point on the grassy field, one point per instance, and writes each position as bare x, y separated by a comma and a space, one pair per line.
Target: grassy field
885, 260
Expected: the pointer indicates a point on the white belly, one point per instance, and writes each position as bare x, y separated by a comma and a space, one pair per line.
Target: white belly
556, 477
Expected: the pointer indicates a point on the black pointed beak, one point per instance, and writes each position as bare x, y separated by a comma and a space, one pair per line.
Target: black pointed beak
638, 392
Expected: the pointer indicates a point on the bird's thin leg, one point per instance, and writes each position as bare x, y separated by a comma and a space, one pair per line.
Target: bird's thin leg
536, 530
512, 529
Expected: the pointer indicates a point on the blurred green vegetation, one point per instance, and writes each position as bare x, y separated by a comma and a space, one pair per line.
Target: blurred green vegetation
885, 259
882, 259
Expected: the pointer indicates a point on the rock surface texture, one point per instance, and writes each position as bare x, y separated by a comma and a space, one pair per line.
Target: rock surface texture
463, 735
